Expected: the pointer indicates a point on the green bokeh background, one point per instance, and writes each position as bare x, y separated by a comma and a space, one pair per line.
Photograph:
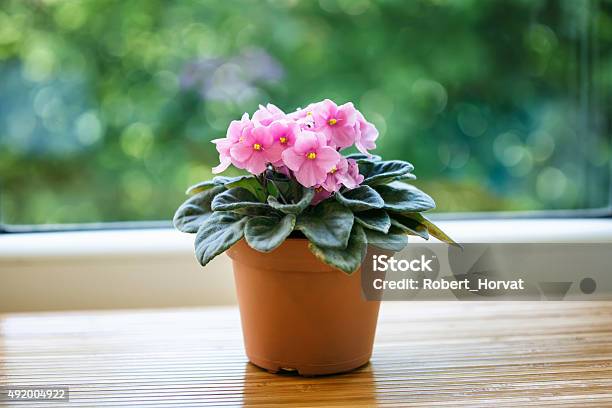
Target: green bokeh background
107, 107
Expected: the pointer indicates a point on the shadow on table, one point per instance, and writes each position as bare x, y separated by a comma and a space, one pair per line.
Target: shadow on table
353, 388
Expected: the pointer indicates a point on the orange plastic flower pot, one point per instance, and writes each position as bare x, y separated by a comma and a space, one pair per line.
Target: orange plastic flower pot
300, 314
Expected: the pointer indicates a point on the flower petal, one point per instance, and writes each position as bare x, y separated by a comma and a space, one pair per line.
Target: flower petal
257, 163
262, 136
306, 142
274, 153
242, 151
343, 136
223, 165
310, 174
362, 149
331, 183
327, 158
319, 196
292, 159
347, 114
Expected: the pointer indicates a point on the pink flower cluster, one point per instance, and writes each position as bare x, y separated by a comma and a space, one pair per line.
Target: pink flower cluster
304, 144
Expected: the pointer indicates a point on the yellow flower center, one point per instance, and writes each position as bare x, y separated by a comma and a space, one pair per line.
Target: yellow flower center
308, 113
312, 155
318, 189
256, 146
332, 122
333, 170
283, 140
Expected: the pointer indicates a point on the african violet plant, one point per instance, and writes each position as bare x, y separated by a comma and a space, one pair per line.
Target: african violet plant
301, 185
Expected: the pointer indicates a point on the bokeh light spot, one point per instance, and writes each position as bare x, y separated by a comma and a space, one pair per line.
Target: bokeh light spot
551, 184
136, 139
88, 128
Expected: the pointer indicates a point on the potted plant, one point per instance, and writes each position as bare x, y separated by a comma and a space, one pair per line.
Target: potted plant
297, 228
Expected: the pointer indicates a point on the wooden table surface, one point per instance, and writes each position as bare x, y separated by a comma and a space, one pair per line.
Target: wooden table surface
426, 354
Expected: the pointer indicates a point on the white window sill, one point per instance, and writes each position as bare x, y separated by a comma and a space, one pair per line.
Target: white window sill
164, 242
157, 267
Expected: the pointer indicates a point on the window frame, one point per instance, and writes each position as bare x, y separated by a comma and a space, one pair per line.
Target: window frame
587, 93
594, 213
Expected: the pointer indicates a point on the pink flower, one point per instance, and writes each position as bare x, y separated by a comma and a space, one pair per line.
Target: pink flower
353, 177
284, 133
255, 150
366, 135
320, 195
335, 176
337, 123
346, 173
267, 114
310, 158
223, 145
305, 141
303, 117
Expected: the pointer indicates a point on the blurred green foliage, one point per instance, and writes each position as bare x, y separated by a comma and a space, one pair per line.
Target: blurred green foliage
107, 107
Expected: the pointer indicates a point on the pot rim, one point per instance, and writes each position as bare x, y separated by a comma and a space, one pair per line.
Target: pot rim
293, 255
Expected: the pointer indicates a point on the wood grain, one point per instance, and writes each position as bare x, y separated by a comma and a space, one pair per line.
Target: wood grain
426, 354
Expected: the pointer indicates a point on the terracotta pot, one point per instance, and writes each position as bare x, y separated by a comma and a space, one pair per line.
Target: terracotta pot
300, 314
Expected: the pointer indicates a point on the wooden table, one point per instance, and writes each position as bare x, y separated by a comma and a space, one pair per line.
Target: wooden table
426, 354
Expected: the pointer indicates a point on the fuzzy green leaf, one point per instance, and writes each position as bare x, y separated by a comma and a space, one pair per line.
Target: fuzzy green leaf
193, 212
401, 197
360, 199
264, 234
273, 191
327, 224
409, 225
381, 172
208, 184
395, 240
219, 232
249, 183
358, 157
238, 199
377, 220
202, 186
433, 229
349, 259
301, 205
281, 184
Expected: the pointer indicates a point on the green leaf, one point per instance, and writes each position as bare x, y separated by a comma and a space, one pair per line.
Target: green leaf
402, 197
281, 183
349, 259
301, 205
193, 212
360, 199
219, 232
433, 229
238, 199
327, 224
409, 225
395, 240
264, 234
377, 220
407, 176
251, 184
273, 191
202, 186
363, 157
384, 171
285, 190
208, 184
